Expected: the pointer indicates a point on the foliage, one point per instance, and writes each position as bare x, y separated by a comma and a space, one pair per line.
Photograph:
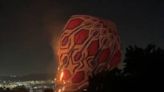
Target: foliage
16, 89
20, 89
143, 72
48, 90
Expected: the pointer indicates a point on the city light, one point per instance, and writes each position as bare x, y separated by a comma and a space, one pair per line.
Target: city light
33, 84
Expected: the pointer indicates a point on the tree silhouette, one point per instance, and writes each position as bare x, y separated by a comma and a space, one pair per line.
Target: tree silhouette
144, 68
2, 89
20, 89
107, 81
48, 90
143, 72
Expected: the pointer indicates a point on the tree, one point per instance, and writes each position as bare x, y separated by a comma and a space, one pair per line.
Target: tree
2, 89
144, 68
143, 72
48, 90
20, 89
107, 81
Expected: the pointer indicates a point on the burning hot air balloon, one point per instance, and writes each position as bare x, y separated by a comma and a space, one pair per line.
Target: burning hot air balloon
88, 45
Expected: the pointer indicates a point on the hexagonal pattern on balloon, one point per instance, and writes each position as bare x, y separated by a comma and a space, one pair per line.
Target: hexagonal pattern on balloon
87, 45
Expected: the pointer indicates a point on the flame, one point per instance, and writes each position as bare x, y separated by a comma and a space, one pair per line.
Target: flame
61, 76
59, 90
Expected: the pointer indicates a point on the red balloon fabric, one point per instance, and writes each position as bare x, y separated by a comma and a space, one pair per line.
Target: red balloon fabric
88, 45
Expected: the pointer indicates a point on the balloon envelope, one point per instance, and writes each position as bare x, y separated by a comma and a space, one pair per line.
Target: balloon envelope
88, 45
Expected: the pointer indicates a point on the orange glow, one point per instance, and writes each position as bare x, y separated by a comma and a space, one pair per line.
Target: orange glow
59, 90
63, 88
61, 76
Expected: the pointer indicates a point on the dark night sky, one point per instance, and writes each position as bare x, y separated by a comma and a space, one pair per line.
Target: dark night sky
27, 28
